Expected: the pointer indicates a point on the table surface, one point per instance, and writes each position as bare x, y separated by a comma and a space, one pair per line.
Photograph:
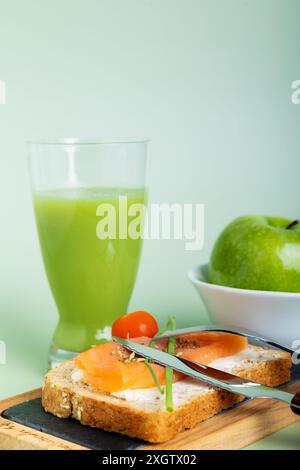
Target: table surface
25, 367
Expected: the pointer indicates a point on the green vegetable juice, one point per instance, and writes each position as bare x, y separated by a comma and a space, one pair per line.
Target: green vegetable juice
91, 278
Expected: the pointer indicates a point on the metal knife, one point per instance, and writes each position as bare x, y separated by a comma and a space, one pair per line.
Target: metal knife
211, 376
226, 329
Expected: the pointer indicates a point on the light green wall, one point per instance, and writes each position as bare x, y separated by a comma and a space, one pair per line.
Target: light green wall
208, 80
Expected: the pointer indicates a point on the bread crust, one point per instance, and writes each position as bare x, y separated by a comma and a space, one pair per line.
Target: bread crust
65, 399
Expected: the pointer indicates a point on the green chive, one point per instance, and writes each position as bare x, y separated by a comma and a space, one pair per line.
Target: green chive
154, 376
152, 344
171, 325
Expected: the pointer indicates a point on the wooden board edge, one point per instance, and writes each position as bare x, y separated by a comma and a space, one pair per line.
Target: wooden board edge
14, 436
15, 400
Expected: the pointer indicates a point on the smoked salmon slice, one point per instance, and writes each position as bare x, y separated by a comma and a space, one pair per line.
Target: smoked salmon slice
111, 368
108, 368
207, 347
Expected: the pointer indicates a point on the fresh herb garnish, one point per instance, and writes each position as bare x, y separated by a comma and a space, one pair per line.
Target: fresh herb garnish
152, 344
161, 390
171, 325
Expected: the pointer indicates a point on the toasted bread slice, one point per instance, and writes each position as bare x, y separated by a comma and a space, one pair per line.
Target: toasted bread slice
142, 413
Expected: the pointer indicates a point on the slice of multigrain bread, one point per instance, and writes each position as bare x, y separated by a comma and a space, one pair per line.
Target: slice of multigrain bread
142, 413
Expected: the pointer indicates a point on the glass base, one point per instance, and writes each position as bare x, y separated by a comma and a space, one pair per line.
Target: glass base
57, 356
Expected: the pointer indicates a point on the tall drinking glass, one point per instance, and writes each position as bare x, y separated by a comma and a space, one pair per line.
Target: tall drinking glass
85, 196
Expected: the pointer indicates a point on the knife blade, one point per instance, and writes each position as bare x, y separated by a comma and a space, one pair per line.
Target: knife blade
212, 376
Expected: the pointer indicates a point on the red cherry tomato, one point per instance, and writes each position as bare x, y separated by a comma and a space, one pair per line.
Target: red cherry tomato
134, 325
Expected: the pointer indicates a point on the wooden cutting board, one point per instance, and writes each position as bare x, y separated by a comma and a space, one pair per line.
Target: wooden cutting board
24, 425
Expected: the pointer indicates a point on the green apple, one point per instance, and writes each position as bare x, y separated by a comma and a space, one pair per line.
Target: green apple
256, 252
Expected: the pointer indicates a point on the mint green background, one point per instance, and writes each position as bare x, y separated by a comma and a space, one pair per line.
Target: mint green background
209, 81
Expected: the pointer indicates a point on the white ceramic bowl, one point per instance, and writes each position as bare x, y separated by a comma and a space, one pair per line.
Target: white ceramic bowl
274, 315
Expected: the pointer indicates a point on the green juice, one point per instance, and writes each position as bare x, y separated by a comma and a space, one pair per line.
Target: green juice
91, 279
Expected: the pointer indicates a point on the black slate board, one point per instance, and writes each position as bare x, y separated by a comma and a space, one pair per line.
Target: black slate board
31, 414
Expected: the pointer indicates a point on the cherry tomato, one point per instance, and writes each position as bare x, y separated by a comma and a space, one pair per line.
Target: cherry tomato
134, 325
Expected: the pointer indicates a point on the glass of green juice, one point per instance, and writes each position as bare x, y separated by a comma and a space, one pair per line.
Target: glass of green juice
86, 195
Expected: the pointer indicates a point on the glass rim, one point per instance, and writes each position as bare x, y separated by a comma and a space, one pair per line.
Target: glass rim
90, 141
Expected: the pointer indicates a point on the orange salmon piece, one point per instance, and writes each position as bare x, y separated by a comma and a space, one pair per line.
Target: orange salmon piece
214, 346
105, 366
